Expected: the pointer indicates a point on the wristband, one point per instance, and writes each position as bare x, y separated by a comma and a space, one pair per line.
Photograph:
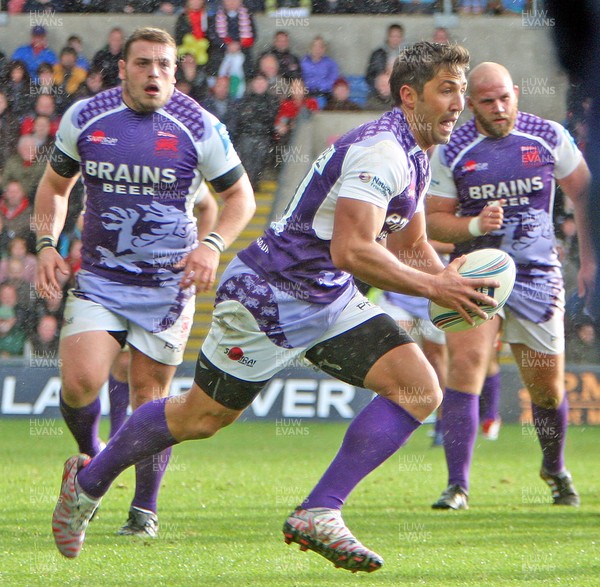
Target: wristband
44, 242
474, 229
216, 240
211, 246
217, 237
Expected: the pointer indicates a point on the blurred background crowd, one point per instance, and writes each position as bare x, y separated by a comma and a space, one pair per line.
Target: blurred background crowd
261, 95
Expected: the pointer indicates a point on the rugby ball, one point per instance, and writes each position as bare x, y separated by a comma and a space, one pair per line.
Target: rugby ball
491, 263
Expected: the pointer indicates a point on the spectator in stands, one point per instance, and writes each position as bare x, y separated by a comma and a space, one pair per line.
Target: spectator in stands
9, 131
107, 59
219, 103
268, 66
75, 42
191, 32
42, 345
253, 130
9, 296
40, 307
68, 77
45, 105
233, 22
441, 35
583, 346
472, 6
15, 275
42, 132
44, 80
382, 58
289, 64
233, 66
16, 83
319, 70
36, 52
17, 249
24, 167
297, 107
191, 79
381, 98
16, 211
12, 335
94, 83
340, 98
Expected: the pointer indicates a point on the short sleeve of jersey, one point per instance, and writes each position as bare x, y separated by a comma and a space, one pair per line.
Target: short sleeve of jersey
68, 131
442, 183
567, 153
374, 173
217, 155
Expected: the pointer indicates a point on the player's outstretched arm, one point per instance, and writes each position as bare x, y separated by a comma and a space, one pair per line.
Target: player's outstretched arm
354, 249
576, 187
50, 211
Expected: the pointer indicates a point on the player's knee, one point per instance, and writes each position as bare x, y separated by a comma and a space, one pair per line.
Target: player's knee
78, 389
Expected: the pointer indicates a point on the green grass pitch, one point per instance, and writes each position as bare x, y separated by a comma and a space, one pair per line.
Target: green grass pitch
224, 501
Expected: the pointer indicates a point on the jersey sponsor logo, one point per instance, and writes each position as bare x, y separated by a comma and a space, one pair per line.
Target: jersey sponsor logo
237, 354
98, 137
471, 166
530, 155
130, 173
364, 177
502, 189
381, 186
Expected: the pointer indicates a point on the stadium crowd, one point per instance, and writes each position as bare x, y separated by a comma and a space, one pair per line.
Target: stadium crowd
260, 96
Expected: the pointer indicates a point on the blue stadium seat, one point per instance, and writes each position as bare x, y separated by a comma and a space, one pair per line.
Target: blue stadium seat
359, 89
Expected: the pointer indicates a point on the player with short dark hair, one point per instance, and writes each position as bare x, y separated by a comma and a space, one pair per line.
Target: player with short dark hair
142, 150
493, 186
292, 292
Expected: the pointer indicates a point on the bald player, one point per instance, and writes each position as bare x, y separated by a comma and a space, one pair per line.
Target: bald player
493, 185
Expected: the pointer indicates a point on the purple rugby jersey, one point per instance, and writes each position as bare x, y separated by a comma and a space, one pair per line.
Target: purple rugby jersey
141, 174
378, 162
520, 168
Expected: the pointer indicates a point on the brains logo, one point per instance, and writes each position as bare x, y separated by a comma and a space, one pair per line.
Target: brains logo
98, 137
364, 177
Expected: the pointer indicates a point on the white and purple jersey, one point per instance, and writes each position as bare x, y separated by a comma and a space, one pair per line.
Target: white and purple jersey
141, 172
378, 162
521, 168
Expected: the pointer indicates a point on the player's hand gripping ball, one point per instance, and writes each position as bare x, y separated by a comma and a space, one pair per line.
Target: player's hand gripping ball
491, 263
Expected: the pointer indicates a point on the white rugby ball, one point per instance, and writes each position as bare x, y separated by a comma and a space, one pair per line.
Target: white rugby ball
492, 263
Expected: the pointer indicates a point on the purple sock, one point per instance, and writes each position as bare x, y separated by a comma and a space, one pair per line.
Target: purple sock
551, 428
83, 424
145, 433
372, 437
118, 395
490, 398
460, 423
148, 476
